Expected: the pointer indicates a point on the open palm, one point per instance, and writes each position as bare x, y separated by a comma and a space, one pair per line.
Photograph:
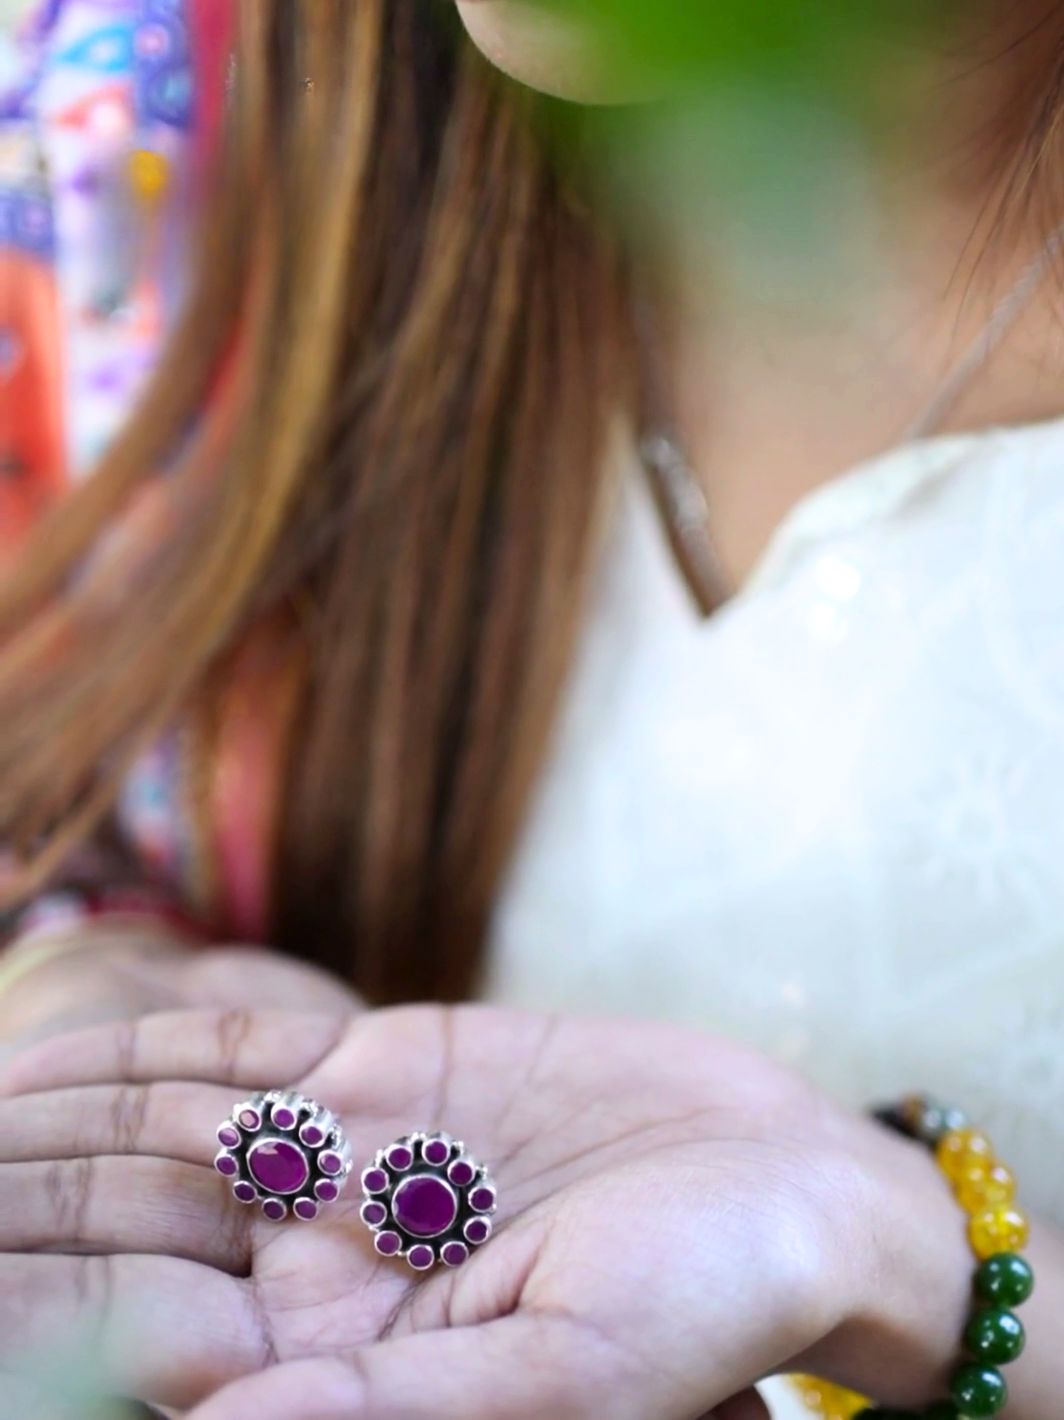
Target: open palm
669, 1208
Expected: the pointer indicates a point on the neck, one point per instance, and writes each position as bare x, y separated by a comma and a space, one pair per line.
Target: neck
788, 371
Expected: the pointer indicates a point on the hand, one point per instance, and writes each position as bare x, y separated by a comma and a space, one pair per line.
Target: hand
121, 968
679, 1218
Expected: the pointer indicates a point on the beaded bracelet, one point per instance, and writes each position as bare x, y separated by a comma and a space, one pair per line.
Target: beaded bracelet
997, 1229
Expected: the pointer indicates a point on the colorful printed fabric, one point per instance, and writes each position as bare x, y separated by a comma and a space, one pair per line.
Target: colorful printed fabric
96, 158
94, 125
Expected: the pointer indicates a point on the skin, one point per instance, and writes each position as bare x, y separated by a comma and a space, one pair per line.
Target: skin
782, 379
678, 1215
540, 48
794, 1234
618, 1149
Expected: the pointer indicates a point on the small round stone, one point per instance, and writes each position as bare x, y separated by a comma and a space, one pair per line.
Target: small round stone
244, 1192
226, 1165
461, 1173
330, 1163
282, 1116
228, 1136
400, 1157
454, 1254
482, 1199
250, 1119
373, 1214
995, 1335
278, 1165
312, 1135
421, 1257
274, 1209
424, 1206
1005, 1228
930, 1122
477, 1231
373, 1180
1005, 1279
979, 1187
979, 1391
436, 1151
326, 1190
306, 1209
387, 1244
961, 1149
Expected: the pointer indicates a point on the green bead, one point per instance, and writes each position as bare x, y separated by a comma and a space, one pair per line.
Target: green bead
979, 1391
995, 1335
1005, 1278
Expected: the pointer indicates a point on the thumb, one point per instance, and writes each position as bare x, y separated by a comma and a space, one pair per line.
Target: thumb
521, 1367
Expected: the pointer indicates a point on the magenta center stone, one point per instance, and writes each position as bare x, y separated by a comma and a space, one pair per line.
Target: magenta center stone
278, 1166
425, 1206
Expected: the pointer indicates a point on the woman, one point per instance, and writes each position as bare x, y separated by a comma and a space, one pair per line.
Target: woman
305, 625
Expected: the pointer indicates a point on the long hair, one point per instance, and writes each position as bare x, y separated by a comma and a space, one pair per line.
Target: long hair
383, 421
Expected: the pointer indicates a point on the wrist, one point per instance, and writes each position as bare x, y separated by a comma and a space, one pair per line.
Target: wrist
907, 1272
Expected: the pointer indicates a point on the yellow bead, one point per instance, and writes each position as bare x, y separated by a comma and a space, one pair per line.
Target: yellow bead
962, 1149
980, 1188
831, 1402
1001, 1229
149, 173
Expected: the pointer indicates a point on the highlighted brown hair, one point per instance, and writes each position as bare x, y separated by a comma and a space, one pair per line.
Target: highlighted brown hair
384, 415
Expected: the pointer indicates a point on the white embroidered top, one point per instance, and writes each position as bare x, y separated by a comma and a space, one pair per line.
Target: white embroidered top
829, 819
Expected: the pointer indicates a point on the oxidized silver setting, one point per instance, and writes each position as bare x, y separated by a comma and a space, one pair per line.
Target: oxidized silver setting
285, 1152
428, 1201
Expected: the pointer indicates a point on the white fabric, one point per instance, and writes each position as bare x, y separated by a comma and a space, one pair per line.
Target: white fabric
828, 820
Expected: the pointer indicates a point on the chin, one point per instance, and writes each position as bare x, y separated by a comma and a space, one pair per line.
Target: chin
542, 49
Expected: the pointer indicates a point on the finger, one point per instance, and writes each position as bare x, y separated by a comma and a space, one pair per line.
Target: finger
249, 976
246, 1049
160, 1330
523, 1367
166, 1119
109, 1205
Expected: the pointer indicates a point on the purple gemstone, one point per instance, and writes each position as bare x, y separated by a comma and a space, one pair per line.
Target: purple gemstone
282, 1116
274, 1209
436, 1151
243, 1192
454, 1254
250, 1119
306, 1209
462, 1173
373, 1180
374, 1214
482, 1199
326, 1190
330, 1163
229, 1136
312, 1135
280, 1167
400, 1157
226, 1165
425, 1206
478, 1230
421, 1257
387, 1244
